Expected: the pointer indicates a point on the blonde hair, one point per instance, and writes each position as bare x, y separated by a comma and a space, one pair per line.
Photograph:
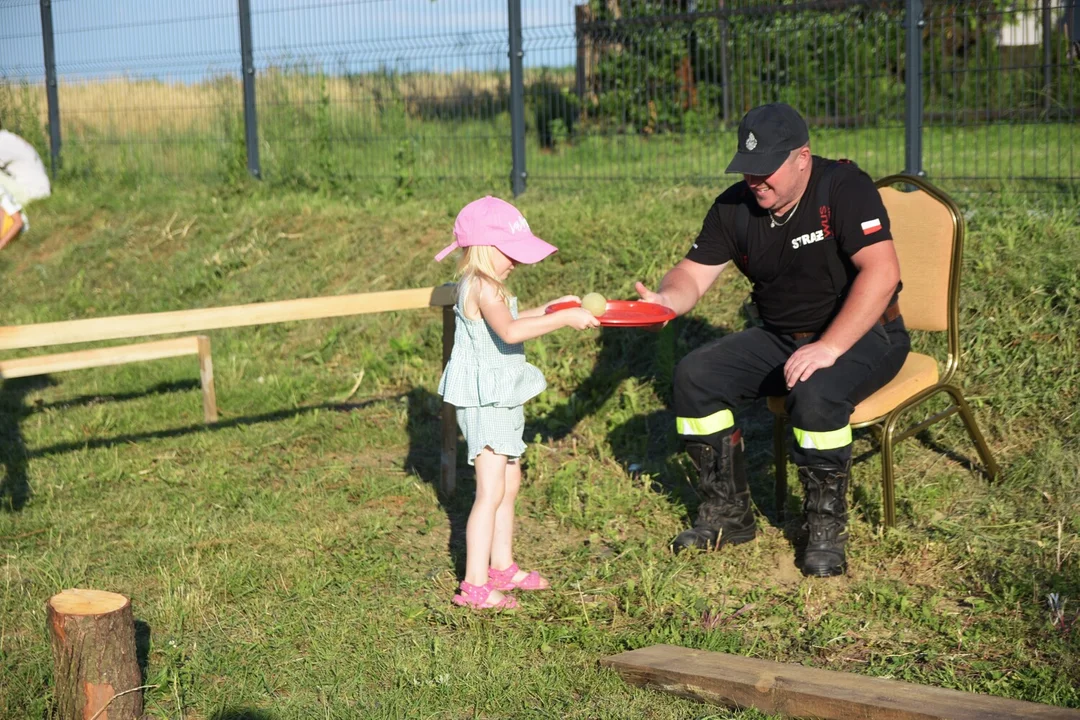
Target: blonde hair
476, 262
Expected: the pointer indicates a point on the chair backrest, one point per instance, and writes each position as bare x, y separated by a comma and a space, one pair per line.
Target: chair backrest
928, 231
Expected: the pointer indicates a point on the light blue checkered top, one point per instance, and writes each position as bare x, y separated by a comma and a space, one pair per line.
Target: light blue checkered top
483, 369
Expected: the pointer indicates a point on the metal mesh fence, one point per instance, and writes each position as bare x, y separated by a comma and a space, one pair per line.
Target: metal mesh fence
412, 90
398, 89
146, 88
659, 86
1001, 84
22, 73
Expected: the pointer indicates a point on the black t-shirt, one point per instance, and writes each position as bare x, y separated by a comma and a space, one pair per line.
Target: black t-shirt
797, 286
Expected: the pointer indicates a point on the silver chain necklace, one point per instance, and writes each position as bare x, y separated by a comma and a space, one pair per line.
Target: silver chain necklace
772, 218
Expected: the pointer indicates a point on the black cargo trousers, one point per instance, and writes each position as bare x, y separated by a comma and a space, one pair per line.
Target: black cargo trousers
715, 380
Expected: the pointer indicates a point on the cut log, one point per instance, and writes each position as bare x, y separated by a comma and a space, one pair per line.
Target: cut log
802, 692
94, 662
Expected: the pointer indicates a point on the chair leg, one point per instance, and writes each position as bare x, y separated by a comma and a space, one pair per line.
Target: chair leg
888, 488
780, 468
989, 464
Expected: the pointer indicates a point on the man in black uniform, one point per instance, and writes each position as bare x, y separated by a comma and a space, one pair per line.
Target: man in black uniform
813, 237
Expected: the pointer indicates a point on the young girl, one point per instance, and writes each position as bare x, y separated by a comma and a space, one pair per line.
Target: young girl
488, 380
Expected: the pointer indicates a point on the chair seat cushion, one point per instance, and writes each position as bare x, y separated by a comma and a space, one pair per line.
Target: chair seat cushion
919, 372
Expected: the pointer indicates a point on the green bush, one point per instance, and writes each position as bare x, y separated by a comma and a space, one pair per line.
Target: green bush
659, 73
555, 111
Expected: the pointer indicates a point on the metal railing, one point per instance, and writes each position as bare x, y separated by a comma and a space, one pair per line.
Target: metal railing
311, 92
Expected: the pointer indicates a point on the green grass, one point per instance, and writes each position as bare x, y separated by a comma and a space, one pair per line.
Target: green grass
295, 561
317, 151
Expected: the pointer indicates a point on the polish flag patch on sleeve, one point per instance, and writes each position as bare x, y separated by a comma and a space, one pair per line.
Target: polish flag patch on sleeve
871, 226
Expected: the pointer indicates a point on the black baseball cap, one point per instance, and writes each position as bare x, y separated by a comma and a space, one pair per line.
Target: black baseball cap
767, 135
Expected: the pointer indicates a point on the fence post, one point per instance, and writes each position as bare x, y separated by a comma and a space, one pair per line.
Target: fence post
913, 105
580, 67
725, 71
51, 88
1047, 32
251, 127
517, 100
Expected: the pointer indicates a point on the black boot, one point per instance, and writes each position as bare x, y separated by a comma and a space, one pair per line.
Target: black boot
724, 516
825, 511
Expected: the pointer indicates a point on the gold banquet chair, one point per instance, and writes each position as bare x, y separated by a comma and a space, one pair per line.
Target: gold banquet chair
928, 231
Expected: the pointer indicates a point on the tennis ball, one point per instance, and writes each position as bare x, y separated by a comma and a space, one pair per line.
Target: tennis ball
594, 303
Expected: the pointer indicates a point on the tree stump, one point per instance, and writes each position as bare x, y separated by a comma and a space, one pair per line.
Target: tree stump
94, 661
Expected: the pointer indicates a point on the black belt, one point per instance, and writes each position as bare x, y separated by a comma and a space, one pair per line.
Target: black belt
891, 313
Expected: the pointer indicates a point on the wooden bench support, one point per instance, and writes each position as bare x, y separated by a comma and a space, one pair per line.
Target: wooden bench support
206, 379
448, 456
121, 355
797, 691
14, 337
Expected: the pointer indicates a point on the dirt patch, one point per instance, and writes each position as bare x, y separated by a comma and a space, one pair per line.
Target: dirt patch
51, 243
782, 570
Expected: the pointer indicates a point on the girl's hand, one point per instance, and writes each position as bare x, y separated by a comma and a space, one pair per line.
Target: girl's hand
578, 318
564, 298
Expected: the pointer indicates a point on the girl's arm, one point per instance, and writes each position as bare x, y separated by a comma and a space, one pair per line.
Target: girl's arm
497, 314
542, 310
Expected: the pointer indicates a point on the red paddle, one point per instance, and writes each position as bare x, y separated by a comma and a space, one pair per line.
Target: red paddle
626, 313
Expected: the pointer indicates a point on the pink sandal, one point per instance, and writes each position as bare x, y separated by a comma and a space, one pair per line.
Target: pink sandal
504, 579
476, 597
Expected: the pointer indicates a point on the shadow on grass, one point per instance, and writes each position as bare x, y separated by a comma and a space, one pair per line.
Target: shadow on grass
241, 714
647, 442
963, 454
128, 438
424, 408
424, 429
15, 456
163, 388
15, 483
142, 648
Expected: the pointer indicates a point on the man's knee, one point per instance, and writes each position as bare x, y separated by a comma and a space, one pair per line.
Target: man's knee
814, 406
687, 373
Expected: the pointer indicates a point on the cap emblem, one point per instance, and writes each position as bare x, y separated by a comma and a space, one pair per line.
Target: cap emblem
751, 141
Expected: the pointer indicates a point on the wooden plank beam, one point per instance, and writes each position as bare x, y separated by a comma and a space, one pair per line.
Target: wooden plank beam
181, 321
99, 357
797, 691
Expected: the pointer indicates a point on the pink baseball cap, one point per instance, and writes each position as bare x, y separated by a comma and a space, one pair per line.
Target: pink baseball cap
491, 221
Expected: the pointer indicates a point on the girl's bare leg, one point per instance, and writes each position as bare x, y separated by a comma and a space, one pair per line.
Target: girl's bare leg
490, 488
502, 545
502, 553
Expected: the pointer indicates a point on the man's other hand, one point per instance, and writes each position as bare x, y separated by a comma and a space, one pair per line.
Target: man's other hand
806, 360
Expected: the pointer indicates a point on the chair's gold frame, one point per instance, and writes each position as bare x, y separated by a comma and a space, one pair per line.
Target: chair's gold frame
887, 424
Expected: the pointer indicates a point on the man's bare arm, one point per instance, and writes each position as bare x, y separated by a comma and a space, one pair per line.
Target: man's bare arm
683, 286
874, 285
